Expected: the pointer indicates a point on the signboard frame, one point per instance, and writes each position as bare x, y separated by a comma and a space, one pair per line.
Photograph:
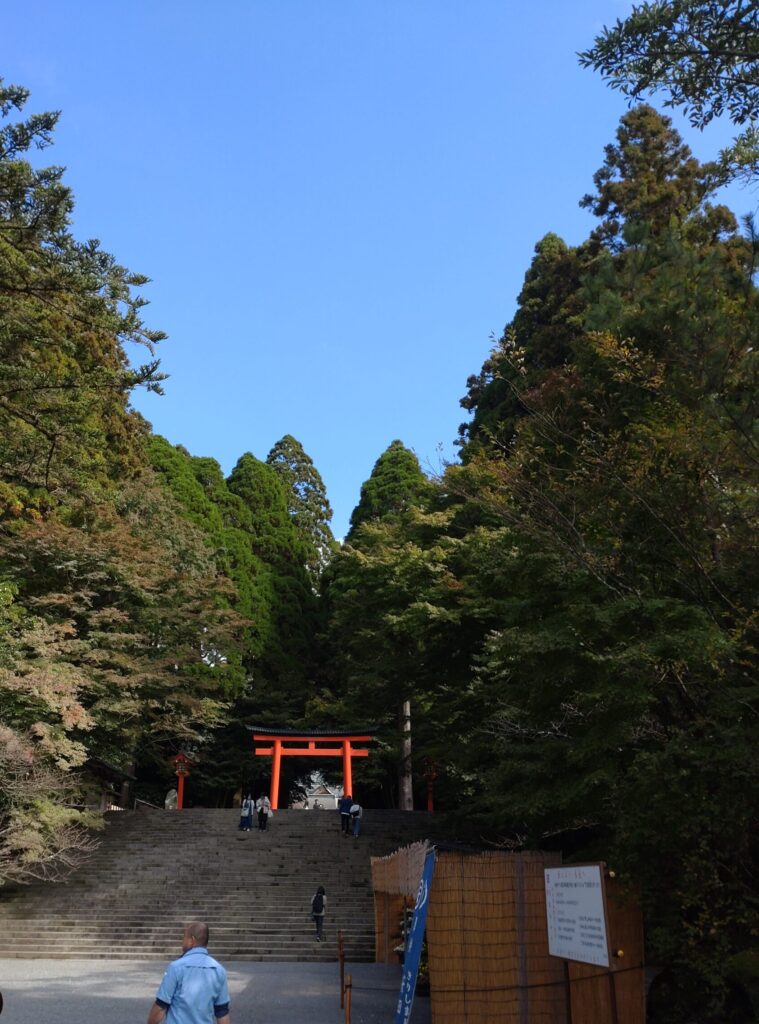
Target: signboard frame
599, 866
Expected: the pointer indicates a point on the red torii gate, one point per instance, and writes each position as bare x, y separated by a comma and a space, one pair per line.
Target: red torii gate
319, 743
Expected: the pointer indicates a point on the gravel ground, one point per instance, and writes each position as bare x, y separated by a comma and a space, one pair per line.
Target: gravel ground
121, 992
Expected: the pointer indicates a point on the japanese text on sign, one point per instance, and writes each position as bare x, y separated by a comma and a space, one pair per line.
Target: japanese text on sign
575, 914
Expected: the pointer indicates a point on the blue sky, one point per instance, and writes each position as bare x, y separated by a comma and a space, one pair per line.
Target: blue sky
336, 201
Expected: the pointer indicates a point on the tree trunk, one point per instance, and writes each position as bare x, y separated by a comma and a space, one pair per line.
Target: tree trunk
405, 787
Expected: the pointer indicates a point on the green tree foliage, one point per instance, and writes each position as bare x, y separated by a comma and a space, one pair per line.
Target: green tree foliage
146, 603
263, 495
396, 483
649, 177
572, 611
619, 674
116, 646
307, 501
539, 338
227, 525
252, 539
288, 660
120, 616
372, 650
67, 310
702, 53
402, 626
113, 640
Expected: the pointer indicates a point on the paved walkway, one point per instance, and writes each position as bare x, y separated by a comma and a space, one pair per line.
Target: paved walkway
121, 992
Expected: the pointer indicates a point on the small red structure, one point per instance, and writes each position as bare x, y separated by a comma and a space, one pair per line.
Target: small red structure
182, 768
320, 743
430, 774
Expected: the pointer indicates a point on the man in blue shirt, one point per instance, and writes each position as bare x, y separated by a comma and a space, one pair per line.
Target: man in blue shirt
194, 987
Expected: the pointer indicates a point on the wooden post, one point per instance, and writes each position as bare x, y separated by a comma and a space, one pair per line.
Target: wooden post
341, 961
386, 927
523, 991
348, 987
347, 769
430, 774
180, 792
568, 991
613, 998
275, 765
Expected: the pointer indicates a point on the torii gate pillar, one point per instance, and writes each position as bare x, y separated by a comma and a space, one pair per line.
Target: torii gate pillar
347, 769
276, 762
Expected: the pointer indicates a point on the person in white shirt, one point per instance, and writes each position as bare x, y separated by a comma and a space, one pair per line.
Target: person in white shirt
263, 806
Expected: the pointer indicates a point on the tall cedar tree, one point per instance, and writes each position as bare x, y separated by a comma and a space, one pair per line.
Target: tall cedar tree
287, 662
549, 316
227, 524
372, 657
307, 502
226, 521
396, 483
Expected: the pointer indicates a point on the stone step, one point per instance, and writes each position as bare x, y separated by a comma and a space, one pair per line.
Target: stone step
133, 904
171, 912
154, 870
125, 908
169, 943
337, 901
221, 926
318, 951
137, 915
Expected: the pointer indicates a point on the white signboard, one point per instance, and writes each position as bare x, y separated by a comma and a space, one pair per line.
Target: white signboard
576, 914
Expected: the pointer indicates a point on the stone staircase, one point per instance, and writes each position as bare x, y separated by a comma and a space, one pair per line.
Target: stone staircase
154, 870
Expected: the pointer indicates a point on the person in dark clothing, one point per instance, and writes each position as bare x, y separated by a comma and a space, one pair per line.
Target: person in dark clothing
318, 908
345, 813
246, 814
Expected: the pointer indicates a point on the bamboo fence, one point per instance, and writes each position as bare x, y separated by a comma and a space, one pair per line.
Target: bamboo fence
395, 880
487, 942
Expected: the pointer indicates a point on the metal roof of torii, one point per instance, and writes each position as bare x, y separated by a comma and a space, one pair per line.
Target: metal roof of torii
268, 730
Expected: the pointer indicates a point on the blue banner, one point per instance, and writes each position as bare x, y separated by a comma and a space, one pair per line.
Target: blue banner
414, 943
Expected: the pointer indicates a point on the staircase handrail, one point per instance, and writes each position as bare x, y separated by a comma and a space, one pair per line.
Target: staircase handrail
146, 803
